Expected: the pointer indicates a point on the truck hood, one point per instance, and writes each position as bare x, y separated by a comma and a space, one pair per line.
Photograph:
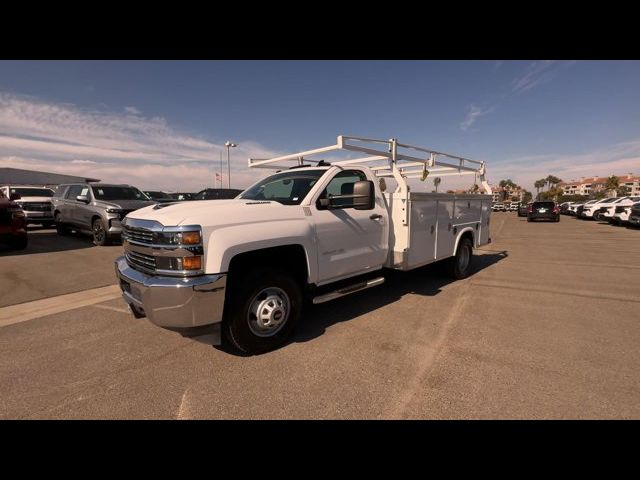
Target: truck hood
35, 199
216, 213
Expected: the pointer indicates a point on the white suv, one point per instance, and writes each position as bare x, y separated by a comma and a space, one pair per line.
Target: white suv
592, 210
607, 212
623, 212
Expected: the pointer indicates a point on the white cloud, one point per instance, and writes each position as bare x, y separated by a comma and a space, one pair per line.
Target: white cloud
83, 162
117, 147
537, 73
473, 114
617, 159
132, 110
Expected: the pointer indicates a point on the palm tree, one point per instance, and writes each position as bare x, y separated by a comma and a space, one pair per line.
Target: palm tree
552, 181
539, 184
612, 183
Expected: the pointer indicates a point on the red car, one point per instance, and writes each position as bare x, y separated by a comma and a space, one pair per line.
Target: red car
13, 225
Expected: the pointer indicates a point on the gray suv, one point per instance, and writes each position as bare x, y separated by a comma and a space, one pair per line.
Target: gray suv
96, 208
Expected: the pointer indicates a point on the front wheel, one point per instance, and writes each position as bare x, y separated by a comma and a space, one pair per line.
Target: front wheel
61, 228
460, 264
263, 310
100, 236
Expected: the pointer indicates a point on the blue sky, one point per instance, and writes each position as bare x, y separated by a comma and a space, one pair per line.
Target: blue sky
161, 124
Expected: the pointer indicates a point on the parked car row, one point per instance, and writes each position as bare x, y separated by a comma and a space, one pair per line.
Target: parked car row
505, 207
615, 210
94, 208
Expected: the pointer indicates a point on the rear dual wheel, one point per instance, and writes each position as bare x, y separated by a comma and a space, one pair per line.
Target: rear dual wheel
459, 266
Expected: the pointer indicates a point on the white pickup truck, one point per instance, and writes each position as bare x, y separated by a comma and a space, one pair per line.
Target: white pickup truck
240, 269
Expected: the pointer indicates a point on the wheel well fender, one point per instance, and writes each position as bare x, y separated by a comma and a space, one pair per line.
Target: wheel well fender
466, 232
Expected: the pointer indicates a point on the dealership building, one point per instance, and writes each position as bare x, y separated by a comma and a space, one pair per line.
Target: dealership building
17, 176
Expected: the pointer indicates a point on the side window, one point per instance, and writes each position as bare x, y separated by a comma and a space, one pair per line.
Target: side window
74, 191
342, 184
84, 191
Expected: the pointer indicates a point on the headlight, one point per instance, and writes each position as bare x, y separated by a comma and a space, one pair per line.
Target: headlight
182, 238
114, 210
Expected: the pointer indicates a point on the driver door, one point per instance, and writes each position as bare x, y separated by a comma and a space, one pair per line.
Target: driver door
350, 241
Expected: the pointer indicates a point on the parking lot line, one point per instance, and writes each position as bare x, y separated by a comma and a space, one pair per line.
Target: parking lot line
49, 306
558, 291
109, 307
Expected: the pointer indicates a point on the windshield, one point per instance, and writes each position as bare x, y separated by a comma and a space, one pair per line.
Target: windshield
33, 192
217, 194
159, 195
118, 193
288, 188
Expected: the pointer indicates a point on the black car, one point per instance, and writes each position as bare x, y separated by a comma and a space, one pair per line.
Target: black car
523, 209
182, 196
543, 211
217, 194
160, 197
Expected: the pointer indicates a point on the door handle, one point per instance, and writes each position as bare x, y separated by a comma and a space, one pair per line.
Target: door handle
375, 216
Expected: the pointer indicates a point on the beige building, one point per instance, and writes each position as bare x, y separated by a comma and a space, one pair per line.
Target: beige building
498, 195
590, 185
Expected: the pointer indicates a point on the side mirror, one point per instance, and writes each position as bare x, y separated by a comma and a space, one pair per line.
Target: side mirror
361, 199
14, 196
82, 198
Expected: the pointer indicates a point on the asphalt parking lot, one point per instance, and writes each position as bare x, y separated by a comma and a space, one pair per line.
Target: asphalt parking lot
547, 327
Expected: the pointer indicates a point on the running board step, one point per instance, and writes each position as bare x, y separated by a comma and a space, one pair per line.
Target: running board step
347, 290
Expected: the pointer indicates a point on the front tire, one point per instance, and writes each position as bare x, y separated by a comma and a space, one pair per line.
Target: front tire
263, 311
459, 265
61, 228
100, 236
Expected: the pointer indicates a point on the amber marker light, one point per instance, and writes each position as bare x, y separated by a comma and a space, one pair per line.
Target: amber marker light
192, 263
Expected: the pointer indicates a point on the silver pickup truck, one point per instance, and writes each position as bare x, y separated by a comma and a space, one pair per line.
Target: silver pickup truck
35, 201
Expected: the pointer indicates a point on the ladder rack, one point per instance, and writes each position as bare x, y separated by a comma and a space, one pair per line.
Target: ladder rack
397, 160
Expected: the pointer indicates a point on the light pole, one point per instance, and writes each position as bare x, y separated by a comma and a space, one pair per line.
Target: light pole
229, 145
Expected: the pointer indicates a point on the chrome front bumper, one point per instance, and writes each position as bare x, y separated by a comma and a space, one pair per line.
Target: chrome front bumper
175, 303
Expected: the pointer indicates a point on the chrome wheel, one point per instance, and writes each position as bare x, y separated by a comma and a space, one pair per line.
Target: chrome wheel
268, 312
98, 231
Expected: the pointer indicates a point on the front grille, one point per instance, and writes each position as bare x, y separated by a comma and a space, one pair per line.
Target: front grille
141, 261
620, 209
139, 235
37, 206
